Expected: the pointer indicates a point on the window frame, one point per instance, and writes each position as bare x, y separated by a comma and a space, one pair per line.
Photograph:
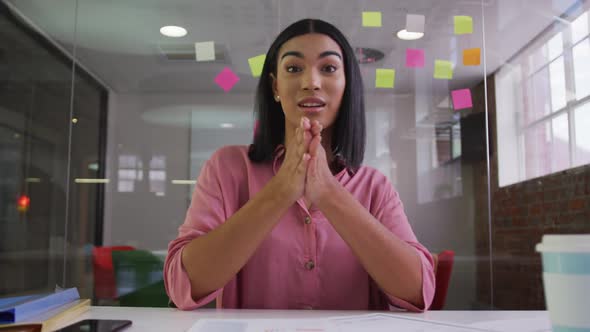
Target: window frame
572, 103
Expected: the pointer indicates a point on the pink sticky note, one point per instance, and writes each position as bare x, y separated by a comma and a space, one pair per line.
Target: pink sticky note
461, 99
226, 79
414, 57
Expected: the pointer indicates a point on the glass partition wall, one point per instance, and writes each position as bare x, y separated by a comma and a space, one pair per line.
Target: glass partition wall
477, 121
53, 118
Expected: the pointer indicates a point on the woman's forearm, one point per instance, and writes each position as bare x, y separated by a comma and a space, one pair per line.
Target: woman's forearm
213, 259
393, 264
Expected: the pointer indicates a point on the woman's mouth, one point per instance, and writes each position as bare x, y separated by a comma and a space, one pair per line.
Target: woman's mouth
311, 105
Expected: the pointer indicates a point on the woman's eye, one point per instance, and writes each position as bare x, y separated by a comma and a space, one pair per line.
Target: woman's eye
293, 69
330, 68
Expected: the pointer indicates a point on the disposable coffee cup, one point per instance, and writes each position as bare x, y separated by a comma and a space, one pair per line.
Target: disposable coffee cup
566, 279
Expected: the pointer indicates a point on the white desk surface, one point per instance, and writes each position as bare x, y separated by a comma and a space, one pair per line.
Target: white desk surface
168, 319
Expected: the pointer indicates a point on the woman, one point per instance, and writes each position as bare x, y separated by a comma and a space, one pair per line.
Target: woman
294, 221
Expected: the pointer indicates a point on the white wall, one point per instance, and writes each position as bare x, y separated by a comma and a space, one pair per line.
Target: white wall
143, 218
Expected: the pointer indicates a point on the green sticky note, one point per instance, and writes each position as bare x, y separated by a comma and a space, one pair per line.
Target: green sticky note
443, 69
372, 19
256, 63
463, 25
385, 78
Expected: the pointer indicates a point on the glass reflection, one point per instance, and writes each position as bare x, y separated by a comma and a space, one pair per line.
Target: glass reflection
166, 116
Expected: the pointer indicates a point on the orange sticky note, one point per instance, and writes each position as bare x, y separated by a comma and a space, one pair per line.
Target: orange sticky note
472, 57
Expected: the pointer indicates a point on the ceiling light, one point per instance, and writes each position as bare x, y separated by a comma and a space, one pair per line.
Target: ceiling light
173, 31
227, 125
368, 55
405, 35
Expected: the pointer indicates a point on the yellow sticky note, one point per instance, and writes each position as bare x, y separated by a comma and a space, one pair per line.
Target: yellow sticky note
385, 78
463, 25
472, 57
256, 63
443, 69
372, 19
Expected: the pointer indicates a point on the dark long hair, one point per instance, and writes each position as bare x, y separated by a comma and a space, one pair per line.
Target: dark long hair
348, 132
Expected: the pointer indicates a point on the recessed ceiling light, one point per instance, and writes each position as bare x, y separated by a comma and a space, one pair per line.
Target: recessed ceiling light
227, 125
368, 55
405, 35
173, 31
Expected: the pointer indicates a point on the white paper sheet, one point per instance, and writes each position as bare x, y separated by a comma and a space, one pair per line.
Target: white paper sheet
261, 325
517, 325
369, 322
386, 323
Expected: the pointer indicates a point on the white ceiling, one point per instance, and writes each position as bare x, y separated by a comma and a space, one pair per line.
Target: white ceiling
118, 41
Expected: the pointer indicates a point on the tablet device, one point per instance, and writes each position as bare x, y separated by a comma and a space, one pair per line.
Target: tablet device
97, 325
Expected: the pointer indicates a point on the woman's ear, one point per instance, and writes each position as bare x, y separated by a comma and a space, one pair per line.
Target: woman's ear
273, 79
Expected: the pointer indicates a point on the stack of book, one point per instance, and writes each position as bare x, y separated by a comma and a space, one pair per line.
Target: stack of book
41, 312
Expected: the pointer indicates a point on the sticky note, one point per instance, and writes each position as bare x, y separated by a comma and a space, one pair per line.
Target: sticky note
226, 79
443, 69
256, 63
463, 25
415, 23
205, 51
414, 58
385, 78
472, 57
372, 19
461, 99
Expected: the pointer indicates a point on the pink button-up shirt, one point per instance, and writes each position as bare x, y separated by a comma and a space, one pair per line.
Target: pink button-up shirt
303, 262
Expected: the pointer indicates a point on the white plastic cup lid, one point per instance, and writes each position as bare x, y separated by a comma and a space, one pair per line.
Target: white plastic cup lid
564, 243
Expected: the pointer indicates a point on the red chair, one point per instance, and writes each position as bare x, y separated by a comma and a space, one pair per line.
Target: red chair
443, 266
104, 273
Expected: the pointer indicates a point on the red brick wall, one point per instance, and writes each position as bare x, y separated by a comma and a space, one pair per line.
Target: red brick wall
521, 214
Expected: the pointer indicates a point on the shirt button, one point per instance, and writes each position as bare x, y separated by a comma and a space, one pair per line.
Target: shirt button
307, 220
309, 265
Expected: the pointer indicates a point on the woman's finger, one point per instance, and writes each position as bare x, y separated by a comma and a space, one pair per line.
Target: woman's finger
303, 162
316, 128
314, 145
307, 138
305, 124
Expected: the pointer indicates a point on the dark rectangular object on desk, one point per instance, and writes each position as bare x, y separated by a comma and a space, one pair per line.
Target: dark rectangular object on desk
97, 325
22, 328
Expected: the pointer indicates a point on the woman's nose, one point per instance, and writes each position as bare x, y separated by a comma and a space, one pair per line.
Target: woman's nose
311, 80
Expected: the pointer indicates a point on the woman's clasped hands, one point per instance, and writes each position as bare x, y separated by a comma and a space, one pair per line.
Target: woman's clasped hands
305, 170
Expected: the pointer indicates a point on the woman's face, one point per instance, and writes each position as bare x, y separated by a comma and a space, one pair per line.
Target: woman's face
310, 79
